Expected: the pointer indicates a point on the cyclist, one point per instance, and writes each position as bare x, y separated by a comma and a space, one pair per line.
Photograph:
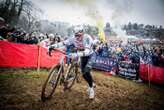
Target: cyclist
83, 43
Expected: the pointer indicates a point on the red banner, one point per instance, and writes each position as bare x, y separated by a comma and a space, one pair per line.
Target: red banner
152, 73
46, 60
23, 55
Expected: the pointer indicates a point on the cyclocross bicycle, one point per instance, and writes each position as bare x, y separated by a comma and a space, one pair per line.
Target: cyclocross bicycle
59, 74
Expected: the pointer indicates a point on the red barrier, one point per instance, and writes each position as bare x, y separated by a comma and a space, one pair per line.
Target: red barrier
22, 55
46, 60
152, 73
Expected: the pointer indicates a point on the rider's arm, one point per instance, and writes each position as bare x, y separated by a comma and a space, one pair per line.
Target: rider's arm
61, 44
88, 42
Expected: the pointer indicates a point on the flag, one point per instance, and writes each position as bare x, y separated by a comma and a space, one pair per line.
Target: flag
100, 26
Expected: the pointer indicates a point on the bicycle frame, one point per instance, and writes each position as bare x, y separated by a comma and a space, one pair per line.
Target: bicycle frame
62, 64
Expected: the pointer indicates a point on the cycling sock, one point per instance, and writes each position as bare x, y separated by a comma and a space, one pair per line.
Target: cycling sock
90, 82
88, 78
85, 77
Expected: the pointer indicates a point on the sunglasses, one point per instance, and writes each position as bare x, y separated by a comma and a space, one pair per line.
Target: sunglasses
78, 34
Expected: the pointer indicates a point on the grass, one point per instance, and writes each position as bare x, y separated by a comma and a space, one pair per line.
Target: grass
2, 76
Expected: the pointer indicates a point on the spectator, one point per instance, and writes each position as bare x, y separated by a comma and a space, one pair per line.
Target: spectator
57, 39
51, 40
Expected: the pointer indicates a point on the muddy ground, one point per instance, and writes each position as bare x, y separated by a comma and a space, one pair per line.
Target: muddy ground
20, 89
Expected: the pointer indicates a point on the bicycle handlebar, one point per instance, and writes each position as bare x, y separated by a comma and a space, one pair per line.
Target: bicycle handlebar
59, 51
50, 51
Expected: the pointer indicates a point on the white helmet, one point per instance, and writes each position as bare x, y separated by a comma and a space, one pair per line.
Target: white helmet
78, 29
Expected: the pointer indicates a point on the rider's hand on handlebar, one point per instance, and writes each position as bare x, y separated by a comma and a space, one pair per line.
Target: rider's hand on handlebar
50, 48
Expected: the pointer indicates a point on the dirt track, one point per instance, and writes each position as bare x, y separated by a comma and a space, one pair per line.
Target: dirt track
21, 89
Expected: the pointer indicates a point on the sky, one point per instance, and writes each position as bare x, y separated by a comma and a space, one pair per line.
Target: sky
115, 12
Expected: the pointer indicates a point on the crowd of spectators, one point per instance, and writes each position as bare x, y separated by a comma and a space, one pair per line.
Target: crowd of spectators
18, 35
128, 57
135, 52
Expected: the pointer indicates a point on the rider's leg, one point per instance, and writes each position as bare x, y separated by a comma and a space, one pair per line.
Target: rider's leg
87, 76
86, 71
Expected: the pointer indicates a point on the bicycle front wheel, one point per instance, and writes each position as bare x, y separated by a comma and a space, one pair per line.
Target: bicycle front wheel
51, 83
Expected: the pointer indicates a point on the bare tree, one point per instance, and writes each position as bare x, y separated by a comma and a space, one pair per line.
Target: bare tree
13, 11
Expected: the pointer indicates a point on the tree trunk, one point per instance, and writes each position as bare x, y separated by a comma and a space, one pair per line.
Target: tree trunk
20, 7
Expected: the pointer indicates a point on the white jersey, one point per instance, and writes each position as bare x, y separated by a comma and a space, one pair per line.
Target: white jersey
86, 44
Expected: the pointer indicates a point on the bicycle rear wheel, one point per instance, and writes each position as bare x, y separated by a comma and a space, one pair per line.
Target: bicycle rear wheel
51, 83
71, 76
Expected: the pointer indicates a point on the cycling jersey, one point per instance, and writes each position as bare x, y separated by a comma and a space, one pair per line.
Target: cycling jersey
85, 44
